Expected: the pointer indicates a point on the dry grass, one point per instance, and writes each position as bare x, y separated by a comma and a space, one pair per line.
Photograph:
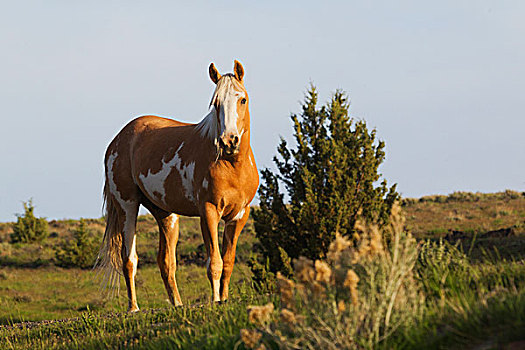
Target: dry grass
355, 300
389, 292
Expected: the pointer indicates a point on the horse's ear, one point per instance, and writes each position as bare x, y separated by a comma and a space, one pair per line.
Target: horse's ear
214, 73
238, 70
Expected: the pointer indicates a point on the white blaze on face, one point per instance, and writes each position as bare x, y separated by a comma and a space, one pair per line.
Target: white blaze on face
228, 115
222, 119
226, 96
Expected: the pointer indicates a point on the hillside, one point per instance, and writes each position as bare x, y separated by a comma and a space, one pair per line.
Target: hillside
469, 213
462, 215
490, 221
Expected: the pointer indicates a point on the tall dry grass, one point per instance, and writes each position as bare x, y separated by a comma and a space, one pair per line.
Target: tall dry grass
354, 300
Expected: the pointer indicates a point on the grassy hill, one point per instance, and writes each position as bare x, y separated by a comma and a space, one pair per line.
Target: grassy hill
470, 213
487, 231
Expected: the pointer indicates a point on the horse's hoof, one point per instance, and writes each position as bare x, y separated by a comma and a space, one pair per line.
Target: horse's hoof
222, 302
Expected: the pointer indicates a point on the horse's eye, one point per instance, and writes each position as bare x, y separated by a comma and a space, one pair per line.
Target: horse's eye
243, 101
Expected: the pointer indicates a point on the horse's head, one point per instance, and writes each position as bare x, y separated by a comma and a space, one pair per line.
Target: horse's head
230, 101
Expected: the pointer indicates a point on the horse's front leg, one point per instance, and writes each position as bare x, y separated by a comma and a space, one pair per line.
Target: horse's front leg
209, 226
232, 231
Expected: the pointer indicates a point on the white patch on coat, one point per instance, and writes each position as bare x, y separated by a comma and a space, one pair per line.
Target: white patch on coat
186, 174
239, 215
155, 182
205, 184
173, 219
131, 251
113, 186
130, 209
216, 288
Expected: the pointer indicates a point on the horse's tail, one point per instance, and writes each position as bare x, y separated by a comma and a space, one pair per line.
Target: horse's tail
109, 260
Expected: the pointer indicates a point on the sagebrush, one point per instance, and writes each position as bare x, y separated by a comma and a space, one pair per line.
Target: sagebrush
355, 299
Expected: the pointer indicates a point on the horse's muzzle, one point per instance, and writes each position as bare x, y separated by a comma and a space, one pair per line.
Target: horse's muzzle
229, 144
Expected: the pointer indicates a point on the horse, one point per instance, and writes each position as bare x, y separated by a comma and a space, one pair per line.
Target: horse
174, 168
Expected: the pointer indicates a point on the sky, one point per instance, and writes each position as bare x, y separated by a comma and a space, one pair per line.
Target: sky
441, 81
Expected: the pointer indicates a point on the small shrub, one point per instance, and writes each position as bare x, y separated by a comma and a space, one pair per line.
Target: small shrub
262, 277
81, 251
29, 228
440, 267
405, 202
433, 198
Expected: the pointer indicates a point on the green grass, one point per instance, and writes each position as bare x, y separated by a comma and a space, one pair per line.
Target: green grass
54, 293
487, 310
473, 286
205, 327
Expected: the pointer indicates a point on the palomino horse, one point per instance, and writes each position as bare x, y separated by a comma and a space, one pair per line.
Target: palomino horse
174, 168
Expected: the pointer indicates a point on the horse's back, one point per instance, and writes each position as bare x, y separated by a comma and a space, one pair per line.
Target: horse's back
137, 155
133, 138
151, 122
127, 136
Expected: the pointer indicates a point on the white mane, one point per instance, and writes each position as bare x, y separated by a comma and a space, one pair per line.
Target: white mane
208, 127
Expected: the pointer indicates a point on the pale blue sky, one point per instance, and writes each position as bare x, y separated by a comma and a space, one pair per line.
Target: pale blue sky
442, 82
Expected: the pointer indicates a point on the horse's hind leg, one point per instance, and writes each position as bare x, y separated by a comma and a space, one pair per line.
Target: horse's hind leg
167, 257
129, 253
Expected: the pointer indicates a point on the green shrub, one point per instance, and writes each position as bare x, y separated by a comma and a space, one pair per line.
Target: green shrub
441, 268
262, 277
331, 178
29, 228
81, 251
